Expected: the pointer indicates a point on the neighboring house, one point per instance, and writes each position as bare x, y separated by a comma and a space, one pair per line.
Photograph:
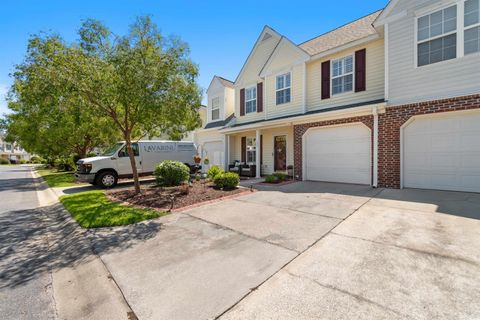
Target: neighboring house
218, 114
12, 151
366, 103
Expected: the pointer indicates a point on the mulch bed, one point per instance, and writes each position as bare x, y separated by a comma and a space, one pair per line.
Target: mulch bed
160, 198
277, 184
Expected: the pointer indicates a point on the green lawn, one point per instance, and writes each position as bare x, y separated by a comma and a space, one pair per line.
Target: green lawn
56, 178
92, 209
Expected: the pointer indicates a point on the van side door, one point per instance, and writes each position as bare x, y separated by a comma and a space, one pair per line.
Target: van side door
123, 161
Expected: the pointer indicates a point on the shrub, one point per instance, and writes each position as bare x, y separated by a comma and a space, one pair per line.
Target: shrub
170, 173
4, 161
271, 179
65, 163
23, 161
213, 172
226, 180
280, 176
37, 160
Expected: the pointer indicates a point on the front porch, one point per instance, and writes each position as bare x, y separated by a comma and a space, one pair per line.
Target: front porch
263, 151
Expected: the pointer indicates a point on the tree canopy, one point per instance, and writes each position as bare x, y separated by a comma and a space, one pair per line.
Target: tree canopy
140, 84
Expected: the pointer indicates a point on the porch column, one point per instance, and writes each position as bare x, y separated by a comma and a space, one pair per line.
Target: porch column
226, 161
257, 152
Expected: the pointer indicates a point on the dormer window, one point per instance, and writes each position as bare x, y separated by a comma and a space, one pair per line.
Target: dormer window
283, 88
251, 100
215, 109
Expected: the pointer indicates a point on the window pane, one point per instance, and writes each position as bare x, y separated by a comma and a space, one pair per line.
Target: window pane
472, 40
436, 30
287, 95
349, 64
437, 50
287, 80
472, 13
280, 82
423, 34
424, 22
450, 13
215, 114
436, 18
348, 83
450, 25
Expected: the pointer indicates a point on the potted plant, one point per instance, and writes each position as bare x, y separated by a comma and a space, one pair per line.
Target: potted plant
197, 159
206, 161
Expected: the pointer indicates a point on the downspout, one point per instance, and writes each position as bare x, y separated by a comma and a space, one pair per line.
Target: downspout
304, 84
375, 146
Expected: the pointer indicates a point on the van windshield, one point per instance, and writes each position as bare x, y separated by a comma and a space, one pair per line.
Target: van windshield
111, 151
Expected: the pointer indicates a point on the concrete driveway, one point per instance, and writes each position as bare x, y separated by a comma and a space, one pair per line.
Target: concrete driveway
304, 251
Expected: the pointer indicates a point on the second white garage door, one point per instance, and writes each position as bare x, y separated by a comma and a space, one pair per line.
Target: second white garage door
443, 152
214, 152
338, 154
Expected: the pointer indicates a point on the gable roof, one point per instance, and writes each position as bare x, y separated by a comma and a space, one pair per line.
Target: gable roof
385, 12
266, 29
283, 39
220, 123
223, 81
349, 32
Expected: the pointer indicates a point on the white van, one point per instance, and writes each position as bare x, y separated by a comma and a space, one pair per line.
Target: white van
114, 164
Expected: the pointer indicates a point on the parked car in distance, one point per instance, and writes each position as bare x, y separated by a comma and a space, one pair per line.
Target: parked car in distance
114, 163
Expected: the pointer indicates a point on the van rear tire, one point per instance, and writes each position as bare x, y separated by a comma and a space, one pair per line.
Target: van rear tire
106, 180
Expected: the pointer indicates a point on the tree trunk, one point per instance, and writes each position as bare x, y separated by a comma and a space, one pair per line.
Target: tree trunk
136, 182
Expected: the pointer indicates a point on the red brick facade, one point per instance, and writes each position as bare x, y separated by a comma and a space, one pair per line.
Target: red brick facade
389, 125
300, 129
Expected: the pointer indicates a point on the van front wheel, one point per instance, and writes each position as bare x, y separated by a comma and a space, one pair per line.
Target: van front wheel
107, 179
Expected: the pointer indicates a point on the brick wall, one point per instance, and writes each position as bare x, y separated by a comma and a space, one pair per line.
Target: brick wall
389, 132
299, 131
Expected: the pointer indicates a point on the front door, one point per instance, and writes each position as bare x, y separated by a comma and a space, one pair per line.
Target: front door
280, 153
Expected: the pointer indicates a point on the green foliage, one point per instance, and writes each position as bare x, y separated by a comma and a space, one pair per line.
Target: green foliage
65, 163
271, 179
226, 180
134, 85
170, 173
37, 160
213, 172
92, 209
280, 176
23, 161
4, 161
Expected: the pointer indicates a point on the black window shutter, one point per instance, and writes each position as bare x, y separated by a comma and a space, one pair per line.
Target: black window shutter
326, 80
360, 70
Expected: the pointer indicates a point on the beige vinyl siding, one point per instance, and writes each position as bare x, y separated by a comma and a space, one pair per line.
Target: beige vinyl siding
229, 101
374, 79
268, 144
407, 83
250, 76
296, 91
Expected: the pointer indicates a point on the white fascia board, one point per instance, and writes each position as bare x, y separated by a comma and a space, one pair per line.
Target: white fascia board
390, 19
385, 13
345, 47
283, 41
336, 114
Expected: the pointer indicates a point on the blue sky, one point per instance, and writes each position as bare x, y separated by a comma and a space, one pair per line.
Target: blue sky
220, 33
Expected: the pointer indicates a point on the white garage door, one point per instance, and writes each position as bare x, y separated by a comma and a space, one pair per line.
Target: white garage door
214, 152
443, 152
339, 154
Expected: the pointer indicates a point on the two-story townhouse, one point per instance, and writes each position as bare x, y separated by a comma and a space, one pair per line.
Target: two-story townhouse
430, 132
218, 113
312, 106
391, 99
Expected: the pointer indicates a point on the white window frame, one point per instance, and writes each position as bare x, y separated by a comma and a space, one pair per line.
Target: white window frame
342, 75
252, 99
251, 148
284, 76
434, 9
216, 99
465, 28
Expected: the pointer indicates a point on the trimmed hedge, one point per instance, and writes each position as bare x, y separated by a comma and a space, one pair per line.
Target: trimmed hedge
170, 173
226, 180
280, 176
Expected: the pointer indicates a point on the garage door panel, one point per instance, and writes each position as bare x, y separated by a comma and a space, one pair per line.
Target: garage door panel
443, 152
339, 154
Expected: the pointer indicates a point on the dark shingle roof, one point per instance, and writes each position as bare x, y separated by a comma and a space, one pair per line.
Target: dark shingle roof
352, 31
221, 123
